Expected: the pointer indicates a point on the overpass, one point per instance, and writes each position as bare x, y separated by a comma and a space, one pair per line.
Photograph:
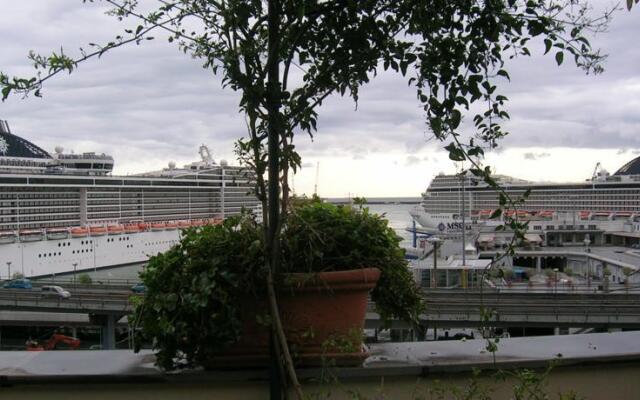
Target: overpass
103, 307
445, 308
462, 308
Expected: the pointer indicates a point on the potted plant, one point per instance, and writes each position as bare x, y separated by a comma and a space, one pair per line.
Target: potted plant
205, 302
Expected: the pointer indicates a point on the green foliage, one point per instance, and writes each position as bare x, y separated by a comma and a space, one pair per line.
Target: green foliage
85, 279
323, 237
191, 305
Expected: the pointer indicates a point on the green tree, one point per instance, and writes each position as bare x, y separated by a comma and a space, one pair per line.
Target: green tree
85, 279
286, 57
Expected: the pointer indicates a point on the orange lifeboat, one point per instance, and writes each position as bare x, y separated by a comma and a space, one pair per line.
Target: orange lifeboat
98, 230
158, 226
79, 232
171, 225
184, 224
216, 220
143, 226
115, 229
485, 213
132, 228
197, 222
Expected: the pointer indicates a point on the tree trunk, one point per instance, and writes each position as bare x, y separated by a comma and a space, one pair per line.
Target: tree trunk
273, 103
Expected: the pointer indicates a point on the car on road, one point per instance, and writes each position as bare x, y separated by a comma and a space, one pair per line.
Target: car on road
18, 284
138, 288
55, 291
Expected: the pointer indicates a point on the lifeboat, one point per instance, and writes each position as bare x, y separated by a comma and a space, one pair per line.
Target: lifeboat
98, 230
115, 229
184, 224
143, 226
79, 232
216, 220
485, 213
601, 214
132, 228
7, 237
622, 214
31, 235
197, 222
584, 214
57, 233
158, 226
171, 226
546, 214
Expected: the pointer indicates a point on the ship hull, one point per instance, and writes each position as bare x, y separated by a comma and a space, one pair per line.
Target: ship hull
48, 257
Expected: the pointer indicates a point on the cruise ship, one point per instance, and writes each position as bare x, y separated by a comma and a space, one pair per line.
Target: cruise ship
599, 200
62, 212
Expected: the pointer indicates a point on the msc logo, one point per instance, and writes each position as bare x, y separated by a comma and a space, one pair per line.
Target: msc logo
455, 226
451, 226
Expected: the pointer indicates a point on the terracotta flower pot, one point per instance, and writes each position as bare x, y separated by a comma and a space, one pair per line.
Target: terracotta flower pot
322, 315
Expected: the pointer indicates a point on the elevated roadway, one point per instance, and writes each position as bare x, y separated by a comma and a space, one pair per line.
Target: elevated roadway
473, 308
445, 308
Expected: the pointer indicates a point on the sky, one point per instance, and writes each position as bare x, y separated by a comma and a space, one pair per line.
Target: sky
150, 104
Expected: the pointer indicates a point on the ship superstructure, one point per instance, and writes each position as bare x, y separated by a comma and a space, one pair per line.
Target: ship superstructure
61, 212
602, 198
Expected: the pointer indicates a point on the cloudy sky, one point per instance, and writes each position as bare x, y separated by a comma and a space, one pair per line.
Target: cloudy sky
148, 105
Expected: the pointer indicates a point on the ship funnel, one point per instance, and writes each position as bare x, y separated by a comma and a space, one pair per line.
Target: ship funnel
4, 127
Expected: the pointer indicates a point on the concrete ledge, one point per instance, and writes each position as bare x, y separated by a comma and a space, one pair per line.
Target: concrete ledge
411, 359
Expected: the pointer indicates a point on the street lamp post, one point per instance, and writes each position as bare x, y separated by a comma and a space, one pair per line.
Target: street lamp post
74, 275
587, 242
435, 241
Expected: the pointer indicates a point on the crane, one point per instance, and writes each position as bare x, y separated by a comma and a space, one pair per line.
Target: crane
594, 176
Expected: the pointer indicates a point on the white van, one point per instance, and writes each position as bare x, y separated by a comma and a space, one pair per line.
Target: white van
55, 291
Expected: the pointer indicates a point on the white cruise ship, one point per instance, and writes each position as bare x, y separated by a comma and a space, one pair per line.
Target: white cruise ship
64, 212
600, 200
